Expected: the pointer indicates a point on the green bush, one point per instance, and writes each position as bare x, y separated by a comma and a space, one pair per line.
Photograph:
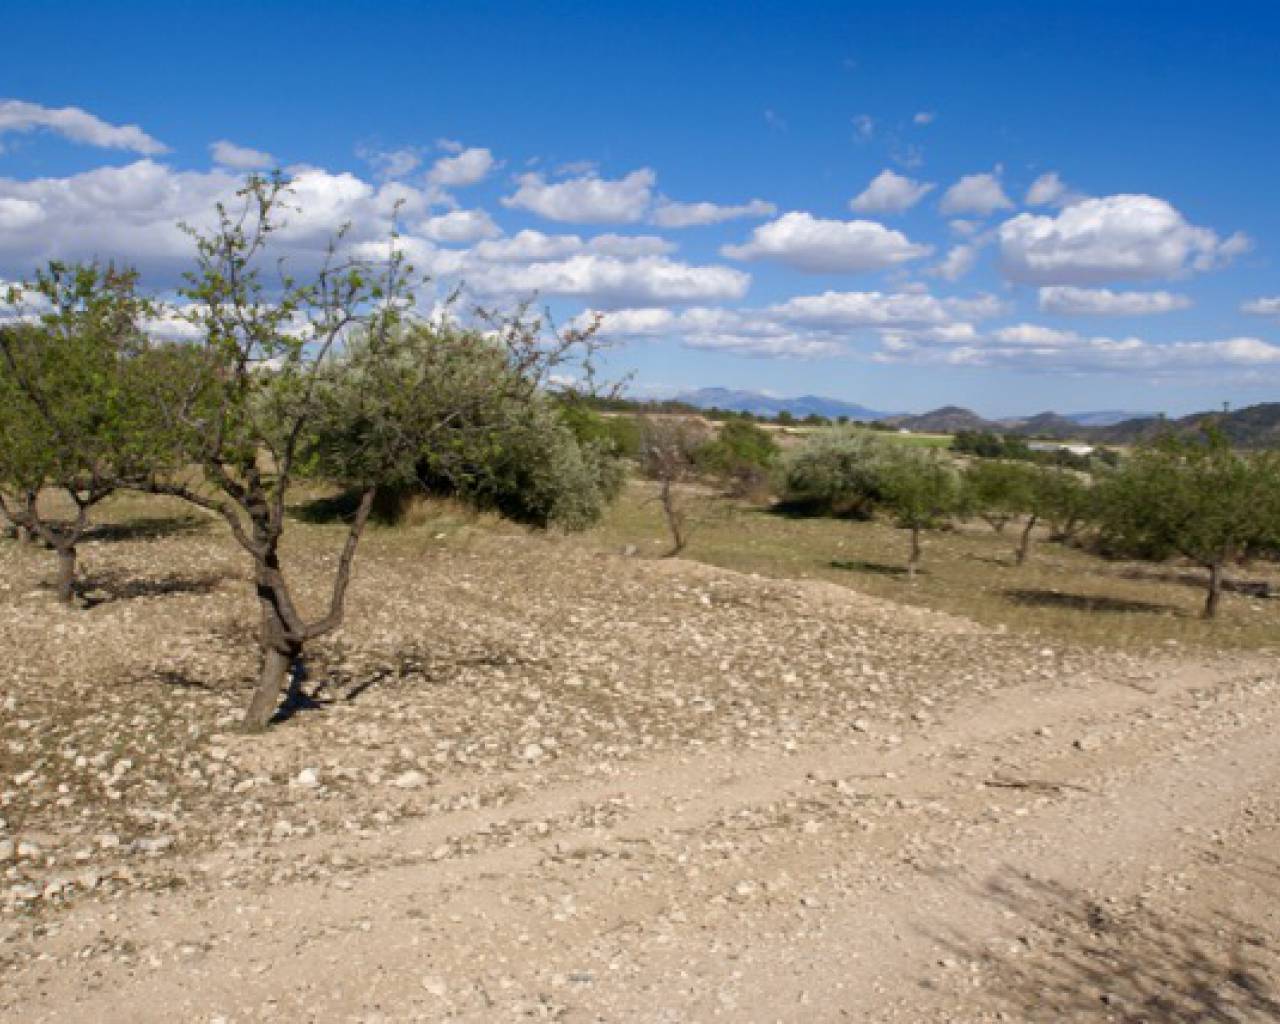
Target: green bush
837, 471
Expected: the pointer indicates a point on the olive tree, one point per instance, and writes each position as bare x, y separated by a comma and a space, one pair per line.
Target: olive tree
1195, 497
338, 353
997, 491
921, 489
68, 401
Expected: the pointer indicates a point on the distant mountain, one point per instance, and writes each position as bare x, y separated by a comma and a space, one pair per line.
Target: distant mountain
1105, 417
768, 405
1045, 424
947, 420
1255, 426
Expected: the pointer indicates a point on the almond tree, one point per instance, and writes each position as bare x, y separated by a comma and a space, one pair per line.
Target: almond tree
68, 402
921, 489
669, 448
333, 370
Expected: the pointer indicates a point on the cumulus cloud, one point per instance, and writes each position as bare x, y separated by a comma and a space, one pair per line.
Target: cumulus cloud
240, 158
889, 193
389, 164
1121, 237
465, 167
960, 259
610, 281
808, 325
77, 125
1068, 300
1034, 348
585, 200
805, 242
460, 227
980, 194
1254, 307
670, 214
1051, 190
132, 213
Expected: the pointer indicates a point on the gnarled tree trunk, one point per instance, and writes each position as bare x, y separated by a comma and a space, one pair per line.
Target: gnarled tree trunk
1214, 595
1024, 542
65, 587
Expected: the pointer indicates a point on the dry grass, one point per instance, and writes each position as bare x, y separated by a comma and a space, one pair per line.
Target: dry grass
1061, 593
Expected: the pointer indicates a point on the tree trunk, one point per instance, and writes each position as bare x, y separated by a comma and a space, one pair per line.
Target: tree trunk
277, 664
913, 563
678, 539
1215, 590
1024, 544
66, 584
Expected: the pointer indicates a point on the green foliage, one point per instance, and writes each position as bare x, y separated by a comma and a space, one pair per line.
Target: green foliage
742, 454
1194, 497
618, 434
837, 471
483, 436
986, 444
919, 487
999, 491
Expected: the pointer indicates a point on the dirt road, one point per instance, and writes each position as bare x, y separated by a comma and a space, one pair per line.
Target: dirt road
921, 822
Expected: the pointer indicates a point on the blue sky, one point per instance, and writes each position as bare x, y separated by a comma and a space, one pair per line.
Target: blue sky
1074, 206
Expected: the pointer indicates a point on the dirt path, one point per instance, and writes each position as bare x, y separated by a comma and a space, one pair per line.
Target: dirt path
1099, 840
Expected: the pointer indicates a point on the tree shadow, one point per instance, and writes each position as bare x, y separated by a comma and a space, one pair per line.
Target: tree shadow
1087, 602
146, 528
108, 587
808, 508
1071, 958
333, 508
878, 568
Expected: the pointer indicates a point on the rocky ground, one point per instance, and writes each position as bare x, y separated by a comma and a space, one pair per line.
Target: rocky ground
539, 781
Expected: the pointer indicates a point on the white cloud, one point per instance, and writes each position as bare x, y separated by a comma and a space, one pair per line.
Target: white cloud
740, 332
610, 281
1121, 237
131, 213
845, 310
1034, 348
466, 167
827, 246
1254, 307
390, 164
1047, 190
240, 158
585, 200
77, 125
889, 193
531, 246
980, 194
1068, 300
924, 117
460, 227
670, 214
864, 125
960, 259
1035, 334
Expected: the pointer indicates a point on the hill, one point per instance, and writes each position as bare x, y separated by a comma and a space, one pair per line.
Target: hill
1255, 426
946, 420
760, 404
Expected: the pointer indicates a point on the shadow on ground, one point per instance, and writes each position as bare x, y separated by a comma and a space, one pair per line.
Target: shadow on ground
878, 568
1071, 958
1087, 602
109, 587
147, 528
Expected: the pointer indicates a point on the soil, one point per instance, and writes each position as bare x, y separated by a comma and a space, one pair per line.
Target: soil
536, 781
